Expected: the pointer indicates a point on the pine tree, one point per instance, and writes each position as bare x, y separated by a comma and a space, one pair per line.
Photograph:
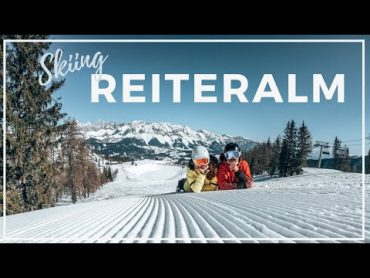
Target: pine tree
283, 159
336, 155
268, 143
288, 163
267, 155
274, 163
341, 157
345, 160
304, 146
32, 119
45, 159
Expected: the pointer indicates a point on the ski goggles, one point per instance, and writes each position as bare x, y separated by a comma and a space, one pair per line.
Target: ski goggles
232, 155
201, 161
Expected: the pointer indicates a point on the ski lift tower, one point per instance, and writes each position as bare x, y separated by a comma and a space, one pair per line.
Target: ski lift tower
324, 146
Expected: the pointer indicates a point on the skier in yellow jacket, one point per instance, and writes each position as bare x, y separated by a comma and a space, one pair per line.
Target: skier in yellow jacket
201, 174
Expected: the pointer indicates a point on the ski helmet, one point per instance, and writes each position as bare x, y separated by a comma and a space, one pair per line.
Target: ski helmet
231, 147
199, 152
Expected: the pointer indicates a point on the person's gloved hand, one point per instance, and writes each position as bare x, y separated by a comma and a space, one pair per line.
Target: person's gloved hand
234, 167
242, 179
203, 170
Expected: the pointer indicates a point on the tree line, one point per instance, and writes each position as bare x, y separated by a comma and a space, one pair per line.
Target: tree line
285, 156
46, 154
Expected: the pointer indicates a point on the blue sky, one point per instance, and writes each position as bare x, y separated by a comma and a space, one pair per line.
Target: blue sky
256, 121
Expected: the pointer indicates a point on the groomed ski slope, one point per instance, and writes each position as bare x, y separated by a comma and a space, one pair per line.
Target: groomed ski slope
139, 206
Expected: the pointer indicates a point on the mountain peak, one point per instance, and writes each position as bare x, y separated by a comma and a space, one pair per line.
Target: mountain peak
141, 139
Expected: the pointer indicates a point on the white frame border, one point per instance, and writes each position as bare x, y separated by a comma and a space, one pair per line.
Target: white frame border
362, 41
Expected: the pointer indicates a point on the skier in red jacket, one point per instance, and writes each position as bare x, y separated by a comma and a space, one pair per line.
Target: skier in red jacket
233, 172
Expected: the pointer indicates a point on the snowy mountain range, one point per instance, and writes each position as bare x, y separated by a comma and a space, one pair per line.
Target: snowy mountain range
146, 140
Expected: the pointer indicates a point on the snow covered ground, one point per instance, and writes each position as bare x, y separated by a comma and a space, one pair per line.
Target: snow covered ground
139, 206
145, 178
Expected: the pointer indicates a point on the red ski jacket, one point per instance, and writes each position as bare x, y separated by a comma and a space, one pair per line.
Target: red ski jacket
227, 179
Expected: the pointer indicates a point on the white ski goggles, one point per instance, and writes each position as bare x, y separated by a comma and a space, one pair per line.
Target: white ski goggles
232, 154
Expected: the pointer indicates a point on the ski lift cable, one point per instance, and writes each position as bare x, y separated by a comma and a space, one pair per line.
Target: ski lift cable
351, 140
354, 144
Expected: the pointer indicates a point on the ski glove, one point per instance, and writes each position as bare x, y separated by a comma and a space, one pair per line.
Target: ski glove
242, 179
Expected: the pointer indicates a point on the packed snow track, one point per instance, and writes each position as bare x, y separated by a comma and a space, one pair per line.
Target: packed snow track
319, 206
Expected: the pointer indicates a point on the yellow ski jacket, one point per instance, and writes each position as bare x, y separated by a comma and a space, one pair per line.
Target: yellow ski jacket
196, 182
